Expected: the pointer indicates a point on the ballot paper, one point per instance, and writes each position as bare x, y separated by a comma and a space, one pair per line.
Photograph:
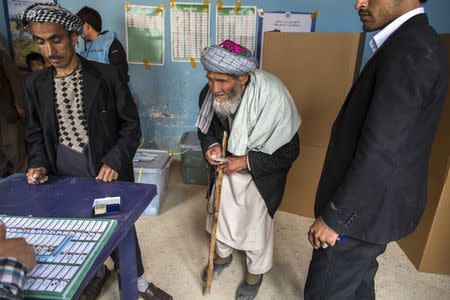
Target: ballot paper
65, 251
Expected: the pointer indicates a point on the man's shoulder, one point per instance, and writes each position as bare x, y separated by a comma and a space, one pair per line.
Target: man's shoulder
117, 48
105, 71
98, 66
116, 43
37, 76
416, 33
413, 42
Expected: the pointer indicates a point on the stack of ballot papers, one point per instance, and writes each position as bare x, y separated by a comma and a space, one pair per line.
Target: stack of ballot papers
65, 251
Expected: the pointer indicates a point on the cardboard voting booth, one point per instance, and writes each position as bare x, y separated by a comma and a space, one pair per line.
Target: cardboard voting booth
428, 246
319, 70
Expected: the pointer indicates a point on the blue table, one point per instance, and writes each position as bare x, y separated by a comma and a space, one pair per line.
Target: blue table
73, 197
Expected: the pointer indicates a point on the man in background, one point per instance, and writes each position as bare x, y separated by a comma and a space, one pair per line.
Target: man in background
101, 46
35, 61
12, 143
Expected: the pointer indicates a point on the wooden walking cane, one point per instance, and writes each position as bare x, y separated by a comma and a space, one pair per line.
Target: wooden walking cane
212, 241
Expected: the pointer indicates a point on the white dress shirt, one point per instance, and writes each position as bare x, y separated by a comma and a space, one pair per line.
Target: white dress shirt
378, 40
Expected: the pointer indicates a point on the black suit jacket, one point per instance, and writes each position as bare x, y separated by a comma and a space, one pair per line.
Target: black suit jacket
269, 172
112, 117
374, 179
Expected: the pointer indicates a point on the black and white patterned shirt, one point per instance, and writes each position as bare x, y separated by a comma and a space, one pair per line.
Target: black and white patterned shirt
70, 112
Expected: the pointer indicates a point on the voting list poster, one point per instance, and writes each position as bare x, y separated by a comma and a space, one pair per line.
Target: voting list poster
190, 30
237, 25
144, 34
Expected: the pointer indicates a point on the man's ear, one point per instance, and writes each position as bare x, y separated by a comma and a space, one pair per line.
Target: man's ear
243, 79
74, 37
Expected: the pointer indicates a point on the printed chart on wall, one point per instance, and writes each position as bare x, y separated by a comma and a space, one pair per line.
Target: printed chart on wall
238, 25
20, 42
284, 22
190, 30
145, 34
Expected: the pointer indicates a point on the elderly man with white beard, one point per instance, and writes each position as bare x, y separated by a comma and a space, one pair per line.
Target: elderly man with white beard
258, 112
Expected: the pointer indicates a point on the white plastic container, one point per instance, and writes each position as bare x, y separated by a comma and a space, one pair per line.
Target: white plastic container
151, 166
193, 164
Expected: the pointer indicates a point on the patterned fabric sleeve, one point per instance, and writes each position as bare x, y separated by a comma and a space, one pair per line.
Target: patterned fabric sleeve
12, 278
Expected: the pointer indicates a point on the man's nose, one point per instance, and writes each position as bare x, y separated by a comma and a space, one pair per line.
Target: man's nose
216, 88
49, 49
360, 4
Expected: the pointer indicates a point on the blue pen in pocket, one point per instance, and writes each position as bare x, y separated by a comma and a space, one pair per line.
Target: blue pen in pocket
342, 239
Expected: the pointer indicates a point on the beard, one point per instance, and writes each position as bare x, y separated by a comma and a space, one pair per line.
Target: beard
225, 108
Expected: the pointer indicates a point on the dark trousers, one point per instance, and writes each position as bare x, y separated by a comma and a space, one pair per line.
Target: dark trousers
345, 271
140, 266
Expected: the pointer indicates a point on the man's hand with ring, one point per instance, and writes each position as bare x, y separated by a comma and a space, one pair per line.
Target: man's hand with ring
320, 235
37, 175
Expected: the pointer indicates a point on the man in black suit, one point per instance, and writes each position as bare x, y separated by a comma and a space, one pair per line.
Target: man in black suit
373, 186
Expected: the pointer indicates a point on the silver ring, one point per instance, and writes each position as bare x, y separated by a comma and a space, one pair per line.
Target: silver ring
324, 246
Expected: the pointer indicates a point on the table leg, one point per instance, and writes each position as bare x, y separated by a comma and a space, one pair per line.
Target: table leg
126, 255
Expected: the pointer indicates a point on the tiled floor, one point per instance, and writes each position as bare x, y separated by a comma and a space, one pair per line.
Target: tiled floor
175, 249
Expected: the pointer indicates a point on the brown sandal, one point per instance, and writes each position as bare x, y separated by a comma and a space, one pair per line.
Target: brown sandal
154, 293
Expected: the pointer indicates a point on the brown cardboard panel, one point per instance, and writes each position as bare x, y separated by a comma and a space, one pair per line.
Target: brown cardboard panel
414, 244
441, 146
428, 246
436, 258
302, 181
318, 69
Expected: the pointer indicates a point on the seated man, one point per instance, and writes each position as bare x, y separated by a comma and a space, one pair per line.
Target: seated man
35, 61
101, 46
262, 119
17, 258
